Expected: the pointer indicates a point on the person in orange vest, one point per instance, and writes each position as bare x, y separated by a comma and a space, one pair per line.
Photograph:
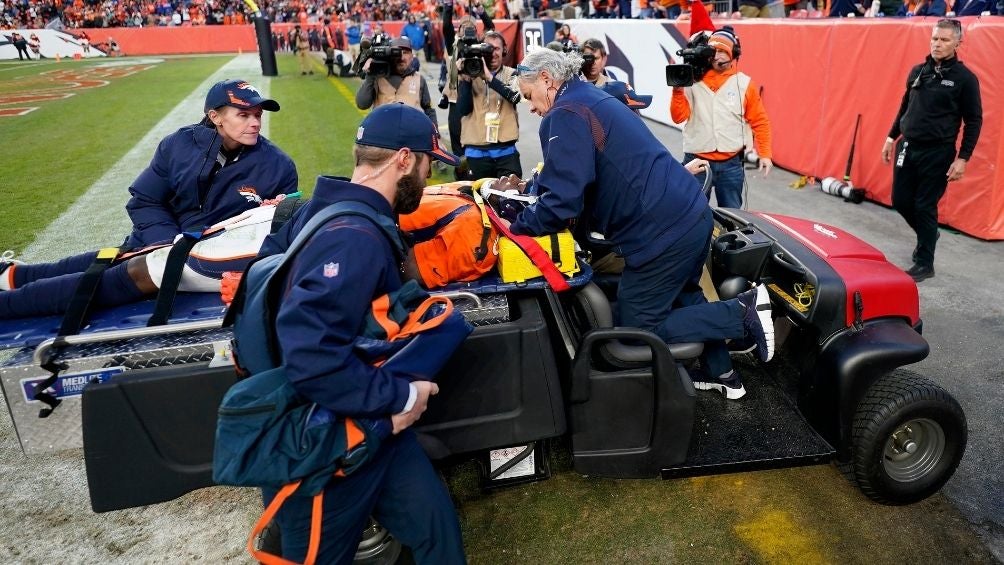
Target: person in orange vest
723, 111
403, 83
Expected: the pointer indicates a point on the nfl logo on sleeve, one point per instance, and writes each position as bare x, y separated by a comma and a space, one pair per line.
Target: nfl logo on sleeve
330, 270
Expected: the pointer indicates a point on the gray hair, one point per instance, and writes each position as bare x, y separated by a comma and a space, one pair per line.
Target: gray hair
561, 66
955, 26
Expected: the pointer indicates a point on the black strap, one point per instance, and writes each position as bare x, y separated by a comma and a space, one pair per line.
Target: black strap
176, 260
555, 250
73, 320
44, 397
481, 251
80, 304
284, 210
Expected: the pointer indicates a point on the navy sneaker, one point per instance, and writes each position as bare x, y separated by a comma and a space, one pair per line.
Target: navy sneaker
731, 385
757, 320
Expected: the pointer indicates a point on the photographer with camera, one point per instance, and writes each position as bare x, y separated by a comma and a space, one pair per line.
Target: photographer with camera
722, 108
594, 69
489, 128
391, 77
449, 80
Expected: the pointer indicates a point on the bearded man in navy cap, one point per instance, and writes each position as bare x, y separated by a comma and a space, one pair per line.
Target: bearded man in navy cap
347, 263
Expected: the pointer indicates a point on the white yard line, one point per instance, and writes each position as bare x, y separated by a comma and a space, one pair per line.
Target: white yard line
4, 67
98, 218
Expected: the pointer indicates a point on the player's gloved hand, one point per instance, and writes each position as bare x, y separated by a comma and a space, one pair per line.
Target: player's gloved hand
228, 285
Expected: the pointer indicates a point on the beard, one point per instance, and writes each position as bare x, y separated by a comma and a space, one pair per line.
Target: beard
409, 192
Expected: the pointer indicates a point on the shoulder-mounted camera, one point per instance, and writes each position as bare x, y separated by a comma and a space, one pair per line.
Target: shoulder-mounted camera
474, 52
697, 61
384, 56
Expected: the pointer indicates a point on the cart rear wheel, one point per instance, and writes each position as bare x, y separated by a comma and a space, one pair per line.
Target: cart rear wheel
907, 439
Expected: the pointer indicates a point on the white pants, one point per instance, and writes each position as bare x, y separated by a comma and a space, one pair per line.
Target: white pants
227, 246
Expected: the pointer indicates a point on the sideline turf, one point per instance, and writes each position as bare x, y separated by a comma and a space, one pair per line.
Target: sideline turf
54, 154
316, 124
318, 120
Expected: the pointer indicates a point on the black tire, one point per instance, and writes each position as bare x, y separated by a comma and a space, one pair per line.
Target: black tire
269, 540
908, 437
377, 546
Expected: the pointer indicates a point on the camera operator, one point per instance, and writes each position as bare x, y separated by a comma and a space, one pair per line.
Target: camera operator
449, 81
489, 128
391, 77
594, 70
722, 110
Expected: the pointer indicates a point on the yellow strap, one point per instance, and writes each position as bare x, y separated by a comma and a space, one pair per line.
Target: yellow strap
481, 202
108, 253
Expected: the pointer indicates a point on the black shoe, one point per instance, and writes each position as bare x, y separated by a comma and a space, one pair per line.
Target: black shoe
757, 320
913, 257
920, 272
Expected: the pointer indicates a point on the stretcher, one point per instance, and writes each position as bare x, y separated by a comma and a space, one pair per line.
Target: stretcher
117, 340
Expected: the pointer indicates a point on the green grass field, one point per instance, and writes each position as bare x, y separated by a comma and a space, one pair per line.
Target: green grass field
810, 515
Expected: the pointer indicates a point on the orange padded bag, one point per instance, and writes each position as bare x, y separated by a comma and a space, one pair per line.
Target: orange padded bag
453, 238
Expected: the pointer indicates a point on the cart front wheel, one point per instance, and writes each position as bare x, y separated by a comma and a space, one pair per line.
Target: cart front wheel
908, 437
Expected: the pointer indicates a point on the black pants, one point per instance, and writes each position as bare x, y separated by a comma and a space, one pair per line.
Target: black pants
453, 121
488, 167
917, 186
22, 47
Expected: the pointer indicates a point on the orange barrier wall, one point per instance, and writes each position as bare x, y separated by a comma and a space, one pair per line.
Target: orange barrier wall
179, 40
818, 75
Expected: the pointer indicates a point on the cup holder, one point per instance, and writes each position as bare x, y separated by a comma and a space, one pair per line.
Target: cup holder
730, 242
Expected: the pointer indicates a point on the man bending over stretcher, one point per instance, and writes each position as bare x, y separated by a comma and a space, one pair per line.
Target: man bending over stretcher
46, 289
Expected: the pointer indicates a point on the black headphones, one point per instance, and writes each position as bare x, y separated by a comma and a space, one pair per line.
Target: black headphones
731, 34
500, 37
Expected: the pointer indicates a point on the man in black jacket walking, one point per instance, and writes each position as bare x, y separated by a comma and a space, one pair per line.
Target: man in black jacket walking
941, 94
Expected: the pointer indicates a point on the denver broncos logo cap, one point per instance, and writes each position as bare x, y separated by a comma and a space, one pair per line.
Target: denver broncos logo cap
620, 91
395, 126
239, 94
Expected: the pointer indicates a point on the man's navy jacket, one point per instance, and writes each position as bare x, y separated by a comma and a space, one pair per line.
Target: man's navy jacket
602, 163
176, 194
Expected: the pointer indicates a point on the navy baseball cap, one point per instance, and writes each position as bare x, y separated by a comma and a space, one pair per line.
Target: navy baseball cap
620, 91
402, 42
395, 126
239, 94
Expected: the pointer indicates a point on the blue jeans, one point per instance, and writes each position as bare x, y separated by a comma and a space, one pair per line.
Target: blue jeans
401, 490
728, 177
665, 297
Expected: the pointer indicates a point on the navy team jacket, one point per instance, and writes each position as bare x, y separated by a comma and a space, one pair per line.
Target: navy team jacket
174, 194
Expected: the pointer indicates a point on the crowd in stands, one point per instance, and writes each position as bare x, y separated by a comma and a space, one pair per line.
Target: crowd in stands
36, 14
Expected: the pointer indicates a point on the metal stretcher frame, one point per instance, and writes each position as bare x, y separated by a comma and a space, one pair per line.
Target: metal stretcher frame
97, 357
